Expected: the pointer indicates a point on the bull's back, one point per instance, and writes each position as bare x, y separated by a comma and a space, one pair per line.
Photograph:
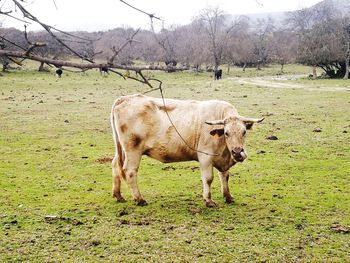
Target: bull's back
143, 125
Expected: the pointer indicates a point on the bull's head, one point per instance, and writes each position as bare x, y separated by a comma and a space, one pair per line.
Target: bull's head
234, 129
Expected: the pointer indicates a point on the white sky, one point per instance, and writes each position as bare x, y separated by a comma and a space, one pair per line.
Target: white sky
92, 15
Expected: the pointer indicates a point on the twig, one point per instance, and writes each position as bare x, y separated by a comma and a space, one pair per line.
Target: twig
54, 2
137, 9
31, 45
261, 4
72, 35
8, 14
117, 51
12, 43
48, 29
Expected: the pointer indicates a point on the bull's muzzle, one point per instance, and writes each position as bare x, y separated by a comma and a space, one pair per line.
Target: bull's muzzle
238, 154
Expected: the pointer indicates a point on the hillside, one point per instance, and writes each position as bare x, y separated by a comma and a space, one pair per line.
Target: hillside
342, 6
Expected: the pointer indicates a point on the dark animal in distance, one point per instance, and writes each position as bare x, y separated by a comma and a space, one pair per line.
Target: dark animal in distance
59, 72
170, 62
104, 70
218, 74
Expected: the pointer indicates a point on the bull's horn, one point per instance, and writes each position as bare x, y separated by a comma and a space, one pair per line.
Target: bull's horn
217, 122
251, 120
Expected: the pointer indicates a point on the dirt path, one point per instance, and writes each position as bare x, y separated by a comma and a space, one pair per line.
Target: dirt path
281, 82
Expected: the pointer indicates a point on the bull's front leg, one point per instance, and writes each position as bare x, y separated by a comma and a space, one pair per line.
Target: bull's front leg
206, 168
224, 176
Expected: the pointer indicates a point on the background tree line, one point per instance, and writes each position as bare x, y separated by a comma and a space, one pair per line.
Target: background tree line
318, 36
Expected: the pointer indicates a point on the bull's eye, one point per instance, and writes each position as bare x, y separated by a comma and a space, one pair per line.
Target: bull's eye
226, 134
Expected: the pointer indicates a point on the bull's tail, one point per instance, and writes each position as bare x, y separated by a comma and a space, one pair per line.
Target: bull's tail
119, 154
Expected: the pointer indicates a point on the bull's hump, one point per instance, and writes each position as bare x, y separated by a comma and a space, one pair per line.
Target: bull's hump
126, 98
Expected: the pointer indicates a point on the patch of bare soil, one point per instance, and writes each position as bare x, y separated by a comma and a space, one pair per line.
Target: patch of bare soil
278, 82
341, 229
103, 160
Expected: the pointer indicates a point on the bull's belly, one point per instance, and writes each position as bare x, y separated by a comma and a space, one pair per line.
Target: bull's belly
166, 155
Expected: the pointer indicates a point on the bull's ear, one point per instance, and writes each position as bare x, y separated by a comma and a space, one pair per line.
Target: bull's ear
217, 122
250, 121
218, 132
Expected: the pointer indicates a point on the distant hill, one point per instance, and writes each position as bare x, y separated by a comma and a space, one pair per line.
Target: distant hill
343, 6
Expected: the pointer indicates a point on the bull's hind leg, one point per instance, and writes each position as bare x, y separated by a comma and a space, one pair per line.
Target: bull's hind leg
116, 173
224, 186
131, 166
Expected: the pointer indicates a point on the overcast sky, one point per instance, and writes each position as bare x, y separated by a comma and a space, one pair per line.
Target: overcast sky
108, 14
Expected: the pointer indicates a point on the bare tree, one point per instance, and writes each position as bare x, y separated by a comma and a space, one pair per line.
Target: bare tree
263, 29
217, 29
167, 39
282, 47
345, 35
301, 22
65, 39
323, 39
237, 46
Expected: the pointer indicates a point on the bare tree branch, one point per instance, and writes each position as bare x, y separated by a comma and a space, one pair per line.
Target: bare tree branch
117, 51
7, 13
31, 45
48, 29
54, 2
27, 53
261, 4
137, 9
62, 63
12, 43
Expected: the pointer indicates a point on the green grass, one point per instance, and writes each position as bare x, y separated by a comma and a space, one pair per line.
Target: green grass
53, 131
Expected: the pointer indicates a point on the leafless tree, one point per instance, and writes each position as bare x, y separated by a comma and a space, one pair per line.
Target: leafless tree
167, 39
65, 39
217, 29
323, 38
282, 47
263, 33
345, 36
237, 47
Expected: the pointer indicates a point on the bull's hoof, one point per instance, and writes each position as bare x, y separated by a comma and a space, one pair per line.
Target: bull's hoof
210, 203
119, 198
229, 200
141, 202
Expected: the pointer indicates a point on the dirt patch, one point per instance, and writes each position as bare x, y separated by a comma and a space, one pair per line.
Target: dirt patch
340, 229
278, 82
104, 160
168, 168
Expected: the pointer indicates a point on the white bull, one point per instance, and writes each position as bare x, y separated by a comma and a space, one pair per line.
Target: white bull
213, 131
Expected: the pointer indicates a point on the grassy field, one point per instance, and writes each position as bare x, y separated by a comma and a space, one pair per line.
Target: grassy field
292, 194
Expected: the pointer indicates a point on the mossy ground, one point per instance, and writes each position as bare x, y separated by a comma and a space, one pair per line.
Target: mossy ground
289, 193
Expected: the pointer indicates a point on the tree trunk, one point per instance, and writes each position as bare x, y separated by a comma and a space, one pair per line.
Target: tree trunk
216, 66
41, 67
282, 67
347, 67
244, 66
314, 74
347, 62
258, 66
228, 68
